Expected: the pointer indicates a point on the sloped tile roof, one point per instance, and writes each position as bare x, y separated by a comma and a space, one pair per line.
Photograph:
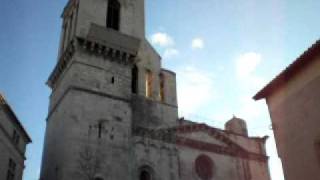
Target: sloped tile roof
299, 64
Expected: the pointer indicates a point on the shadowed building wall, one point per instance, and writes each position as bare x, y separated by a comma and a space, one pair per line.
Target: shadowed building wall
293, 101
13, 142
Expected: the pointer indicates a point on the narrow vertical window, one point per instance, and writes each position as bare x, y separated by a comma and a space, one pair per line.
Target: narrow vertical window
161, 93
134, 82
317, 149
100, 127
15, 137
112, 80
113, 15
11, 170
148, 84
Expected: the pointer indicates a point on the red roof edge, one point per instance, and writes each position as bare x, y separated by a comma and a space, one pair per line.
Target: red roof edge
294, 68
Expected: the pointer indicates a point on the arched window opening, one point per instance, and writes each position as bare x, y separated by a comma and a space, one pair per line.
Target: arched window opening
145, 175
113, 15
149, 84
98, 178
204, 167
162, 93
134, 85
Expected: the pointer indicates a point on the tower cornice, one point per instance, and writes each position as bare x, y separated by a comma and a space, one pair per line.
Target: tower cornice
103, 42
70, 5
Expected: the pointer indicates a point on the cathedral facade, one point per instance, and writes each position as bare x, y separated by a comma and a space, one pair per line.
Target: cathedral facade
113, 110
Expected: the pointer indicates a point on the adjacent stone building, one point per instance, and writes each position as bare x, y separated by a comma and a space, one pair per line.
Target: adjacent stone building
13, 141
293, 100
113, 110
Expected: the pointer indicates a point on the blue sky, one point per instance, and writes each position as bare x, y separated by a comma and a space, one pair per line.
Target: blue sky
223, 51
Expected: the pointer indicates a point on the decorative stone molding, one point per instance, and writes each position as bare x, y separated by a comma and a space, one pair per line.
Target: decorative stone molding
171, 136
125, 56
62, 64
69, 7
106, 52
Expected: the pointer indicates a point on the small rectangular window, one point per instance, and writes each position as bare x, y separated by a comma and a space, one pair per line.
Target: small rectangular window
162, 93
113, 15
148, 84
134, 81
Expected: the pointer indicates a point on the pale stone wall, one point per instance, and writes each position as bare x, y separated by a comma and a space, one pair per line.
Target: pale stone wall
148, 59
9, 126
91, 90
153, 114
248, 144
160, 156
294, 113
94, 73
259, 170
224, 166
8, 150
77, 117
132, 16
7, 147
170, 87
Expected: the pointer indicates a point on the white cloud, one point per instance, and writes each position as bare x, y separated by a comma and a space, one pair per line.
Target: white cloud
245, 67
161, 39
248, 82
195, 89
170, 52
197, 43
249, 109
247, 63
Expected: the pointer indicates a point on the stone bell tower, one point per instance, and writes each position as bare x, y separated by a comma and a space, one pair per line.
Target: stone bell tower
113, 111
89, 124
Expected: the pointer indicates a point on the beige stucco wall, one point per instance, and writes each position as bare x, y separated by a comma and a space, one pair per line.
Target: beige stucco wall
294, 111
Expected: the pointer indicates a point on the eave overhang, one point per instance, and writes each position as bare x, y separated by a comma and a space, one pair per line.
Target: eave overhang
297, 66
